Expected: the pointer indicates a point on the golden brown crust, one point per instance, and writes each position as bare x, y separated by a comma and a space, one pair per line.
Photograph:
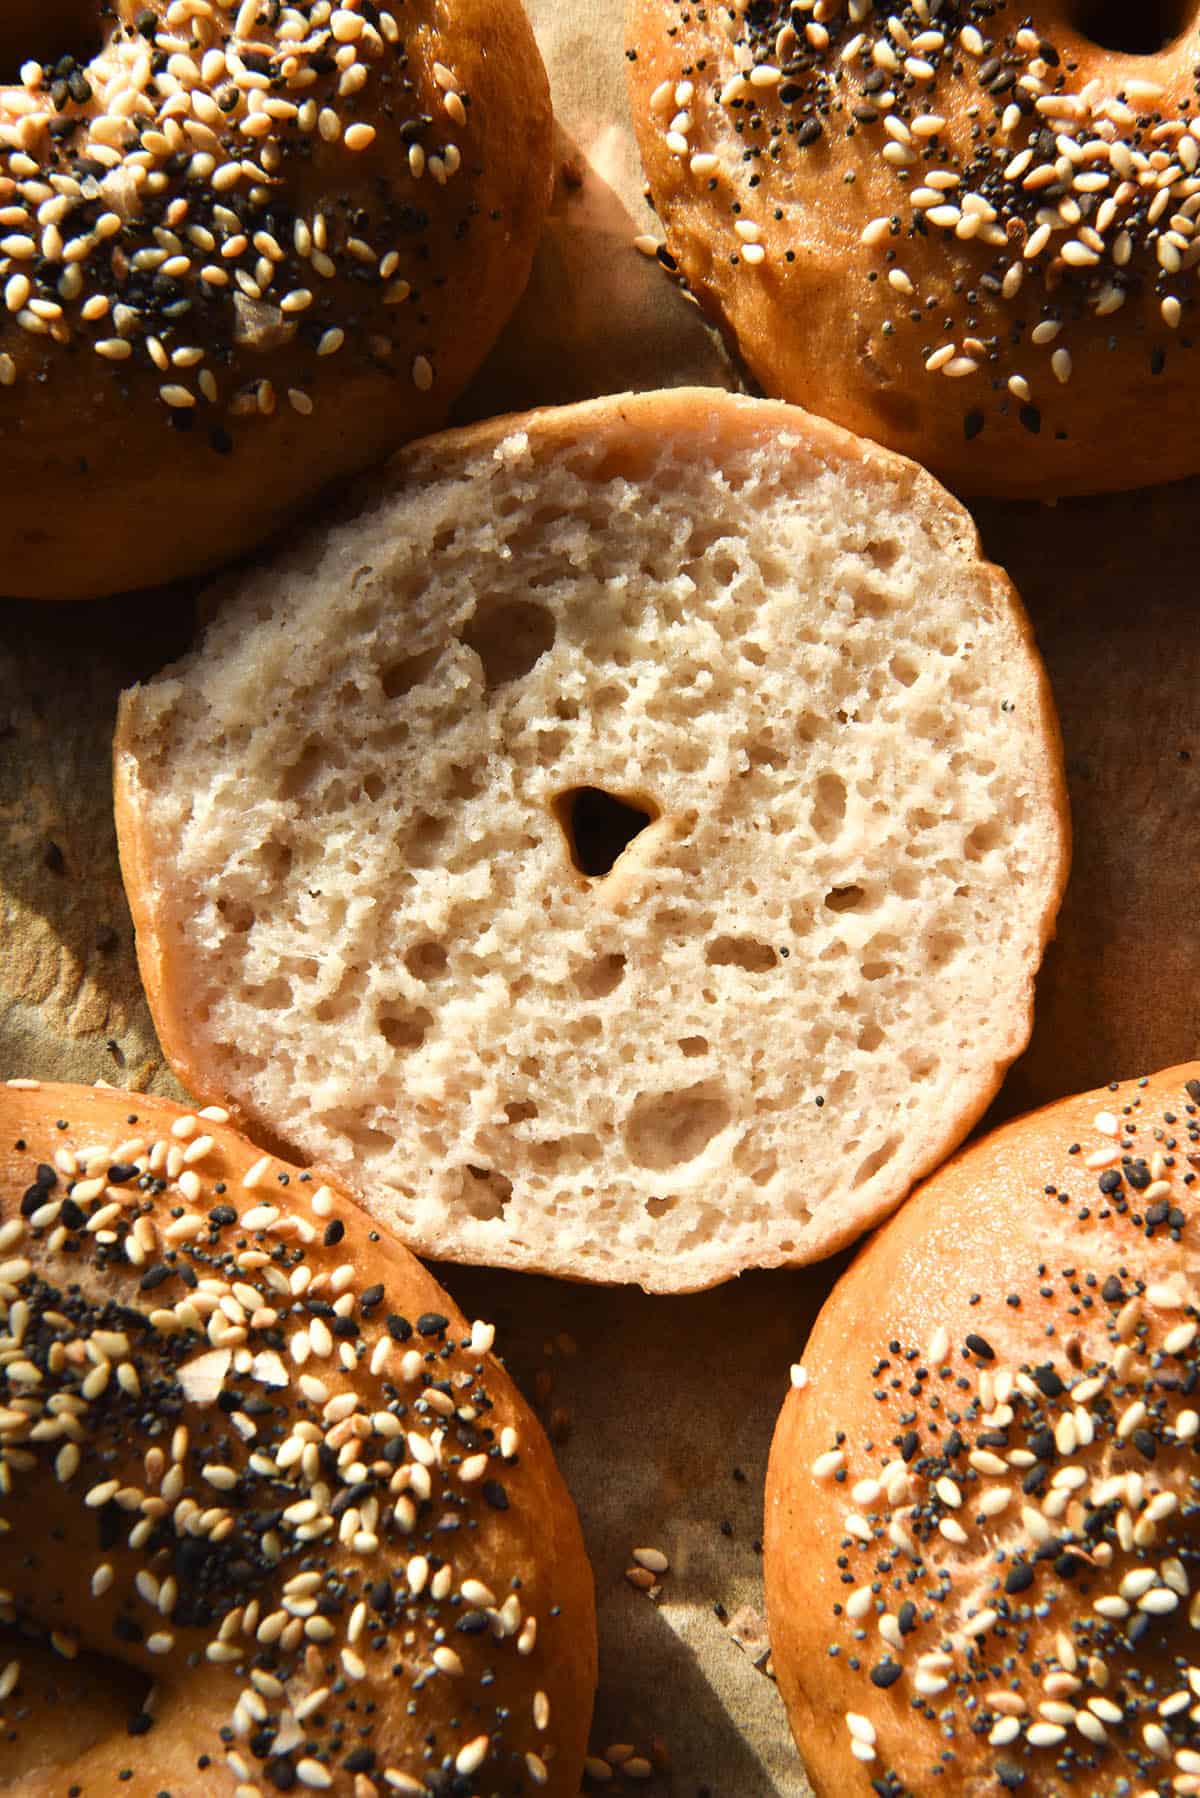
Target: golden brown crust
980, 1501
1076, 371
264, 333
412, 1555
56, 1711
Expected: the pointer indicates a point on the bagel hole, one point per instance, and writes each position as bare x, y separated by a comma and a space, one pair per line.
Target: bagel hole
399, 678
238, 916
851, 898
875, 1161
983, 839
666, 1130
1131, 30
484, 1192
602, 976
600, 826
829, 806
426, 961
404, 1029
740, 952
63, 28
509, 636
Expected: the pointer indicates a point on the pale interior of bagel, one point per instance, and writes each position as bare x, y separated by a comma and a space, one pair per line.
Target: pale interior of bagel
617, 862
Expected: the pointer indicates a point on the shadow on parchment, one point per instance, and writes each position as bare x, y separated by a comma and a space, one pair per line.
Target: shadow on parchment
597, 316
663, 1411
1113, 590
70, 1001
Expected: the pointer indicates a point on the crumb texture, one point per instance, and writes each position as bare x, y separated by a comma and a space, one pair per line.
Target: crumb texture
624, 848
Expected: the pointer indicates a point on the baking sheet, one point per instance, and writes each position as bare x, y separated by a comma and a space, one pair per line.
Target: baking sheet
662, 1409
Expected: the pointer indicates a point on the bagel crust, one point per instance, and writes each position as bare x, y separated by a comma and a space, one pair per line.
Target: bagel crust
982, 1495
252, 1451
966, 231
623, 847
245, 251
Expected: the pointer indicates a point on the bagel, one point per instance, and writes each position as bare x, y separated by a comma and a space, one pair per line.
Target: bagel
250, 1450
623, 848
981, 1498
54, 1710
245, 250
968, 233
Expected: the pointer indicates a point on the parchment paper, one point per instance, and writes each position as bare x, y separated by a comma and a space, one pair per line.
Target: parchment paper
662, 1409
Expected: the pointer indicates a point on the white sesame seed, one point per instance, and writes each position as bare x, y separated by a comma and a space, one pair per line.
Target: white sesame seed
312, 1774
471, 1758
653, 1559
